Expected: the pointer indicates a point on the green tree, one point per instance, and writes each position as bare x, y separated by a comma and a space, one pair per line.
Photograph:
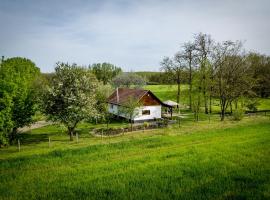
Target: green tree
260, 66
174, 68
232, 74
203, 45
189, 56
103, 92
72, 96
130, 109
17, 95
128, 80
105, 72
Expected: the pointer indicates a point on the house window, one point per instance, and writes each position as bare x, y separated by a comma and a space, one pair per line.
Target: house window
146, 112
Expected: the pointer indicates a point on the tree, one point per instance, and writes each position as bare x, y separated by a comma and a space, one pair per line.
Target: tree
174, 68
203, 45
130, 109
232, 76
18, 100
260, 66
128, 80
189, 55
72, 96
105, 72
102, 94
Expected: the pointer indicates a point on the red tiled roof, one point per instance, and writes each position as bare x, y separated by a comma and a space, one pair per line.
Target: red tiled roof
126, 93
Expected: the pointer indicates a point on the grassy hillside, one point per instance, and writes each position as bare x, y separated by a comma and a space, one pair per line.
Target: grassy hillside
217, 160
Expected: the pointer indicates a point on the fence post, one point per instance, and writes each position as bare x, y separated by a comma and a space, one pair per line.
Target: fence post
49, 142
102, 135
77, 137
19, 145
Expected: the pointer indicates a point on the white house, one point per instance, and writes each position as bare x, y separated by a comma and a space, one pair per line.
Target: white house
151, 105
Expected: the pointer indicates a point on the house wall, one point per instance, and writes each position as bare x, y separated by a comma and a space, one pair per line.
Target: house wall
113, 108
155, 112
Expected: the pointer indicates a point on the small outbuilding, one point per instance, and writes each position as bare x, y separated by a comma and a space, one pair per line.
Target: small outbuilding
170, 105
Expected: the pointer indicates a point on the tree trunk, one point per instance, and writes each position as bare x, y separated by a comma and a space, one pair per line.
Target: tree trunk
178, 87
222, 115
71, 133
236, 104
223, 107
13, 135
210, 104
178, 92
190, 85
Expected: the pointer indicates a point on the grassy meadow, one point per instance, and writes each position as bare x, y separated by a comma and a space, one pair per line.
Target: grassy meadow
204, 160
198, 160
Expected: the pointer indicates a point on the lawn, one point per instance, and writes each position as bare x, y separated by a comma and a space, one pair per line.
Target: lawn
204, 160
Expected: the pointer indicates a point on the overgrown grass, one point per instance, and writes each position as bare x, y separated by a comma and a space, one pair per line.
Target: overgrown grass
216, 160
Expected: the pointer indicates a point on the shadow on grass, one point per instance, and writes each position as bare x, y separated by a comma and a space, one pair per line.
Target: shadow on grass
29, 138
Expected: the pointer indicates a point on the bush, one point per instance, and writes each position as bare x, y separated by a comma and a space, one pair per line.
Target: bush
145, 124
238, 115
252, 104
3, 139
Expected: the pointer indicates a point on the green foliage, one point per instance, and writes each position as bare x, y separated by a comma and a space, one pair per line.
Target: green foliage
252, 104
3, 139
130, 109
105, 72
145, 124
128, 80
17, 94
72, 96
158, 78
103, 92
238, 115
260, 70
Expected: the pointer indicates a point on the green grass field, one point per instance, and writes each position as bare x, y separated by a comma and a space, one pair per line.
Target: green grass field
204, 160
169, 92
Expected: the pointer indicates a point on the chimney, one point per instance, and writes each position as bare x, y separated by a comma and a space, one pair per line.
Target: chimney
117, 95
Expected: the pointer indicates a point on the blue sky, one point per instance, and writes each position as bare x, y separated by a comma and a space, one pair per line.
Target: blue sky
134, 35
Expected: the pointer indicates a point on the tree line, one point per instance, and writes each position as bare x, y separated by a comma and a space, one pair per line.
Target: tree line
218, 70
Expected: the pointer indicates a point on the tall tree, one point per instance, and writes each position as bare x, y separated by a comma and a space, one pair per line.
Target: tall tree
203, 46
72, 96
105, 72
174, 68
189, 55
232, 75
17, 93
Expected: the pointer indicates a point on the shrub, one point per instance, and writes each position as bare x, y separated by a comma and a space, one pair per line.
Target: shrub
238, 115
252, 104
145, 124
3, 139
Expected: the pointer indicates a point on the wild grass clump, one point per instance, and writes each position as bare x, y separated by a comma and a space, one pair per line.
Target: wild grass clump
238, 115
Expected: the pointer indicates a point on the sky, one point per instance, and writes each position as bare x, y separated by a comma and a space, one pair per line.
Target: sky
134, 35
